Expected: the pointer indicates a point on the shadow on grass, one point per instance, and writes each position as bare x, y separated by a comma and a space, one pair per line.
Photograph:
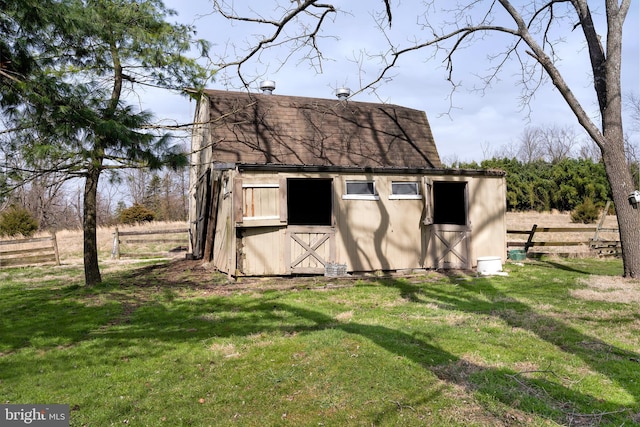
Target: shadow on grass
143, 305
44, 317
554, 265
482, 297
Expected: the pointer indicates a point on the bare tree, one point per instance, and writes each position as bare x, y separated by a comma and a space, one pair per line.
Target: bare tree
43, 194
137, 181
507, 151
530, 32
557, 142
633, 105
451, 161
530, 147
589, 150
108, 196
164, 192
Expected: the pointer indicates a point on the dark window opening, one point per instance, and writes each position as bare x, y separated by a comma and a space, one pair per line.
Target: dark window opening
449, 205
309, 201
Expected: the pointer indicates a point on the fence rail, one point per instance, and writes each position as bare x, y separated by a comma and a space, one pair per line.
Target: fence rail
595, 244
176, 235
607, 246
20, 252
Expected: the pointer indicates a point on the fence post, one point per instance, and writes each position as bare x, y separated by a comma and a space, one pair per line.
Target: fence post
601, 223
54, 239
115, 251
530, 239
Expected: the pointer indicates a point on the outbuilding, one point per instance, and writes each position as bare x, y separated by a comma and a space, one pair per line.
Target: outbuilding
286, 185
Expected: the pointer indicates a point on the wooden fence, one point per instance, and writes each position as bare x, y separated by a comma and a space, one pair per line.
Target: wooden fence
594, 244
145, 239
596, 240
39, 250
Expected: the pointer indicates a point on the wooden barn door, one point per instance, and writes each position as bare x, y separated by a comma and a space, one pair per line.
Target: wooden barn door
309, 248
448, 221
310, 241
451, 244
203, 205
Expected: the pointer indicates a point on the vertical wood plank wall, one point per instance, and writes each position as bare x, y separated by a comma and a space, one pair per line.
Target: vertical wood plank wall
370, 235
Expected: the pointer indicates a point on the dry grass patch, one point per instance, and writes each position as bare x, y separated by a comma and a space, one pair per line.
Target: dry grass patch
609, 289
260, 339
398, 302
67, 279
227, 350
469, 410
345, 316
454, 318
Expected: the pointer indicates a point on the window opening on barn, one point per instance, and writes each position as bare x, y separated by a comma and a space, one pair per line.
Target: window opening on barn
309, 201
260, 202
449, 203
405, 190
360, 190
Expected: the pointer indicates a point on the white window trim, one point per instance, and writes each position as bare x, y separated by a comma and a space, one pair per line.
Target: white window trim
260, 185
405, 197
258, 218
360, 197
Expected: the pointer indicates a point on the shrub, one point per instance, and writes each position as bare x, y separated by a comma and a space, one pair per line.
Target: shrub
585, 212
17, 221
136, 213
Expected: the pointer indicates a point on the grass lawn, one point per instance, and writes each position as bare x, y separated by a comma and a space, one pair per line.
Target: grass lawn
556, 342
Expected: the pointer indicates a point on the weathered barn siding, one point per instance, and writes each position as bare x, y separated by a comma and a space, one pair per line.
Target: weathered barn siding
223, 256
383, 234
487, 211
261, 251
253, 237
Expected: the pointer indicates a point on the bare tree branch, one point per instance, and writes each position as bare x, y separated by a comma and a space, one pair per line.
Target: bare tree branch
387, 3
533, 29
303, 8
9, 76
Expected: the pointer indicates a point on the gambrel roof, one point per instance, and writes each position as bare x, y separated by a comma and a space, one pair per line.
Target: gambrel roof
291, 130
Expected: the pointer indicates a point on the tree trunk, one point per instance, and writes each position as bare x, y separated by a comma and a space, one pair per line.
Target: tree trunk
622, 185
609, 91
91, 267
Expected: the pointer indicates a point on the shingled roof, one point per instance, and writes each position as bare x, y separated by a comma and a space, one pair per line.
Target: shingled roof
290, 130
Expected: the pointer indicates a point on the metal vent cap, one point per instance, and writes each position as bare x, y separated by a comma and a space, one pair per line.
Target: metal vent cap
267, 86
343, 92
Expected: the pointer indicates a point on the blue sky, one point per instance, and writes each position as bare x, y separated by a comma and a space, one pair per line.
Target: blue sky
473, 125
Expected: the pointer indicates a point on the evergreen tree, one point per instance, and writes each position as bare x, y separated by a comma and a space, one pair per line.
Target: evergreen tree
542, 186
64, 75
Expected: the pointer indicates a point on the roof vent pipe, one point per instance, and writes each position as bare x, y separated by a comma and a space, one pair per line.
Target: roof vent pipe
343, 93
267, 86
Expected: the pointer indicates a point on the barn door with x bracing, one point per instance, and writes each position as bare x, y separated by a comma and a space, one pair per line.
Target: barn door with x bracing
451, 245
310, 241
309, 248
450, 228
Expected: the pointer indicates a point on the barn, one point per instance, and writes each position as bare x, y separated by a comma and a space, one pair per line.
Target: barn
285, 185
